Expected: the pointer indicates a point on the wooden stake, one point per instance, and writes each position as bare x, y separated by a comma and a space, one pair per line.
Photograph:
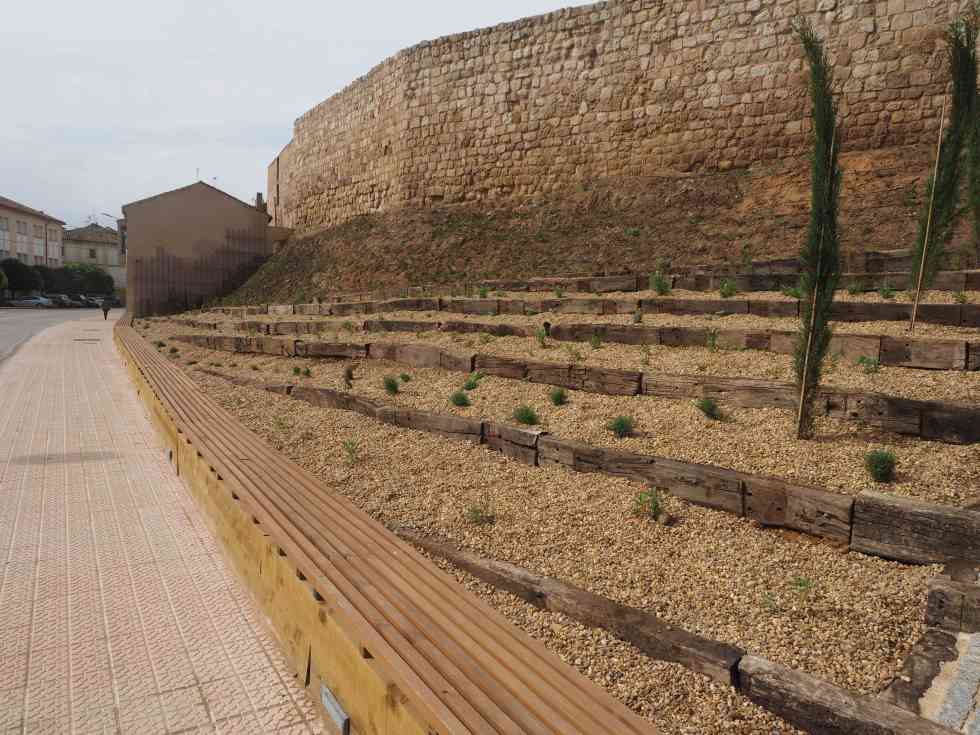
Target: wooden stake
932, 204
813, 301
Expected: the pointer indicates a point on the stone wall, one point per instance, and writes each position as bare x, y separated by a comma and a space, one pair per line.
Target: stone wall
620, 88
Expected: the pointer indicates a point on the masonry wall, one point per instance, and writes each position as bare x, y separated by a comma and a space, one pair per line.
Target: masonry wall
621, 88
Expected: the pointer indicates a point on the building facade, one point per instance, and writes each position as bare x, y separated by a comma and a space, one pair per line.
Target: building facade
189, 245
99, 246
30, 235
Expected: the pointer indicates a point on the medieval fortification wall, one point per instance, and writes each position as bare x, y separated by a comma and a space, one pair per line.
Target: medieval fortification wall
620, 88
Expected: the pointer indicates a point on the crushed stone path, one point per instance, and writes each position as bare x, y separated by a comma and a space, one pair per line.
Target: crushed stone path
117, 610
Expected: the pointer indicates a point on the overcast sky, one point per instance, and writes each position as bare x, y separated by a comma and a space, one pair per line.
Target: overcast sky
109, 101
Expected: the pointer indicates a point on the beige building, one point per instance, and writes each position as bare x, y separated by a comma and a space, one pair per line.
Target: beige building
30, 235
186, 246
97, 245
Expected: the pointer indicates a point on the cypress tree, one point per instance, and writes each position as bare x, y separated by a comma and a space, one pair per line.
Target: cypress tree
973, 190
941, 206
820, 255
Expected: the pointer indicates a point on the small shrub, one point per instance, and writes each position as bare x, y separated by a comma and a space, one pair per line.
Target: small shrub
622, 426
160, 343
854, 288
352, 450
709, 407
637, 317
541, 335
473, 381
886, 292
659, 283
880, 464
485, 338
559, 292
218, 364
558, 396
306, 372
711, 340
645, 354
871, 365
391, 385
727, 288
745, 256
595, 341
405, 377
647, 504
347, 326
803, 585
174, 351
960, 297
459, 398
633, 231
526, 415
482, 512
793, 292
349, 376
574, 353
295, 371
483, 292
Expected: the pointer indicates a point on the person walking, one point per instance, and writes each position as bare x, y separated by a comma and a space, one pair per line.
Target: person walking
105, 308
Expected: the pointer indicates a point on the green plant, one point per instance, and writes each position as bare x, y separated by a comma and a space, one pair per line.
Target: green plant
574, 353
633, 231
803, 585
352, 450
622, 426
349, 376
854, 288
595, 341
174, 351
886, 292
473, 381
880, 464
526, 415
559, 292
745, 256
485, 338
711, 340
483, 292
645, 354
647, 504
481, 513
940, 208
306, 372
160, 343
659, 283
541, 335
391, 385
727, 288
709, 407
218, 364
871, 365
820, 254
960, 297
793, 292
405, 377
558, 396
459, 398
295, 371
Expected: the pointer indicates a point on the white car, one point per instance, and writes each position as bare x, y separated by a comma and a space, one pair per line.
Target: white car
32, 302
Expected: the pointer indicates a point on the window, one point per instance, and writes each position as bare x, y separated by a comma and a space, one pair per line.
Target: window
21, 228
4, 223
91, 253
38, 230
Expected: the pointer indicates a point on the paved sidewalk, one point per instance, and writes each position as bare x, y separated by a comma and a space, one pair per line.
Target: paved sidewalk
117, 610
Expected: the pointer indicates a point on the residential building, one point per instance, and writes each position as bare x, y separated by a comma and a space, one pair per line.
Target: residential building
186, 246
100, 246
30, 235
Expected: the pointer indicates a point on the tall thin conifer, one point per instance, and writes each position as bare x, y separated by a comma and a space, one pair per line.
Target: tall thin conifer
820, 256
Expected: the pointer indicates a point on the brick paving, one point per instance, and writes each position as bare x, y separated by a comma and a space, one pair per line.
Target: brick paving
118, 613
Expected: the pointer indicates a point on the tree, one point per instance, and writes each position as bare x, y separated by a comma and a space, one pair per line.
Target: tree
88, 278
973, 190
941, 206
3, 280
20, 276
820, 255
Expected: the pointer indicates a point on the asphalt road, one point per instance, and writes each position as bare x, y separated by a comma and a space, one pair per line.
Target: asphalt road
19, 325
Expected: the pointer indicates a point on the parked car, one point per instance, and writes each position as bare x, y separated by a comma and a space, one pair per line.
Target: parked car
32, 302
75, 302
59, 300
88, 302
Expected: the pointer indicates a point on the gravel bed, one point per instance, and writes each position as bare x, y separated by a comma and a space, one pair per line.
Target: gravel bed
846, 617
925, 385
751, 440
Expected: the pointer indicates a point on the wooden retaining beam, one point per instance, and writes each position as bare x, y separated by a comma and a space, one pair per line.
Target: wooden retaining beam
932, 420
361, 614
